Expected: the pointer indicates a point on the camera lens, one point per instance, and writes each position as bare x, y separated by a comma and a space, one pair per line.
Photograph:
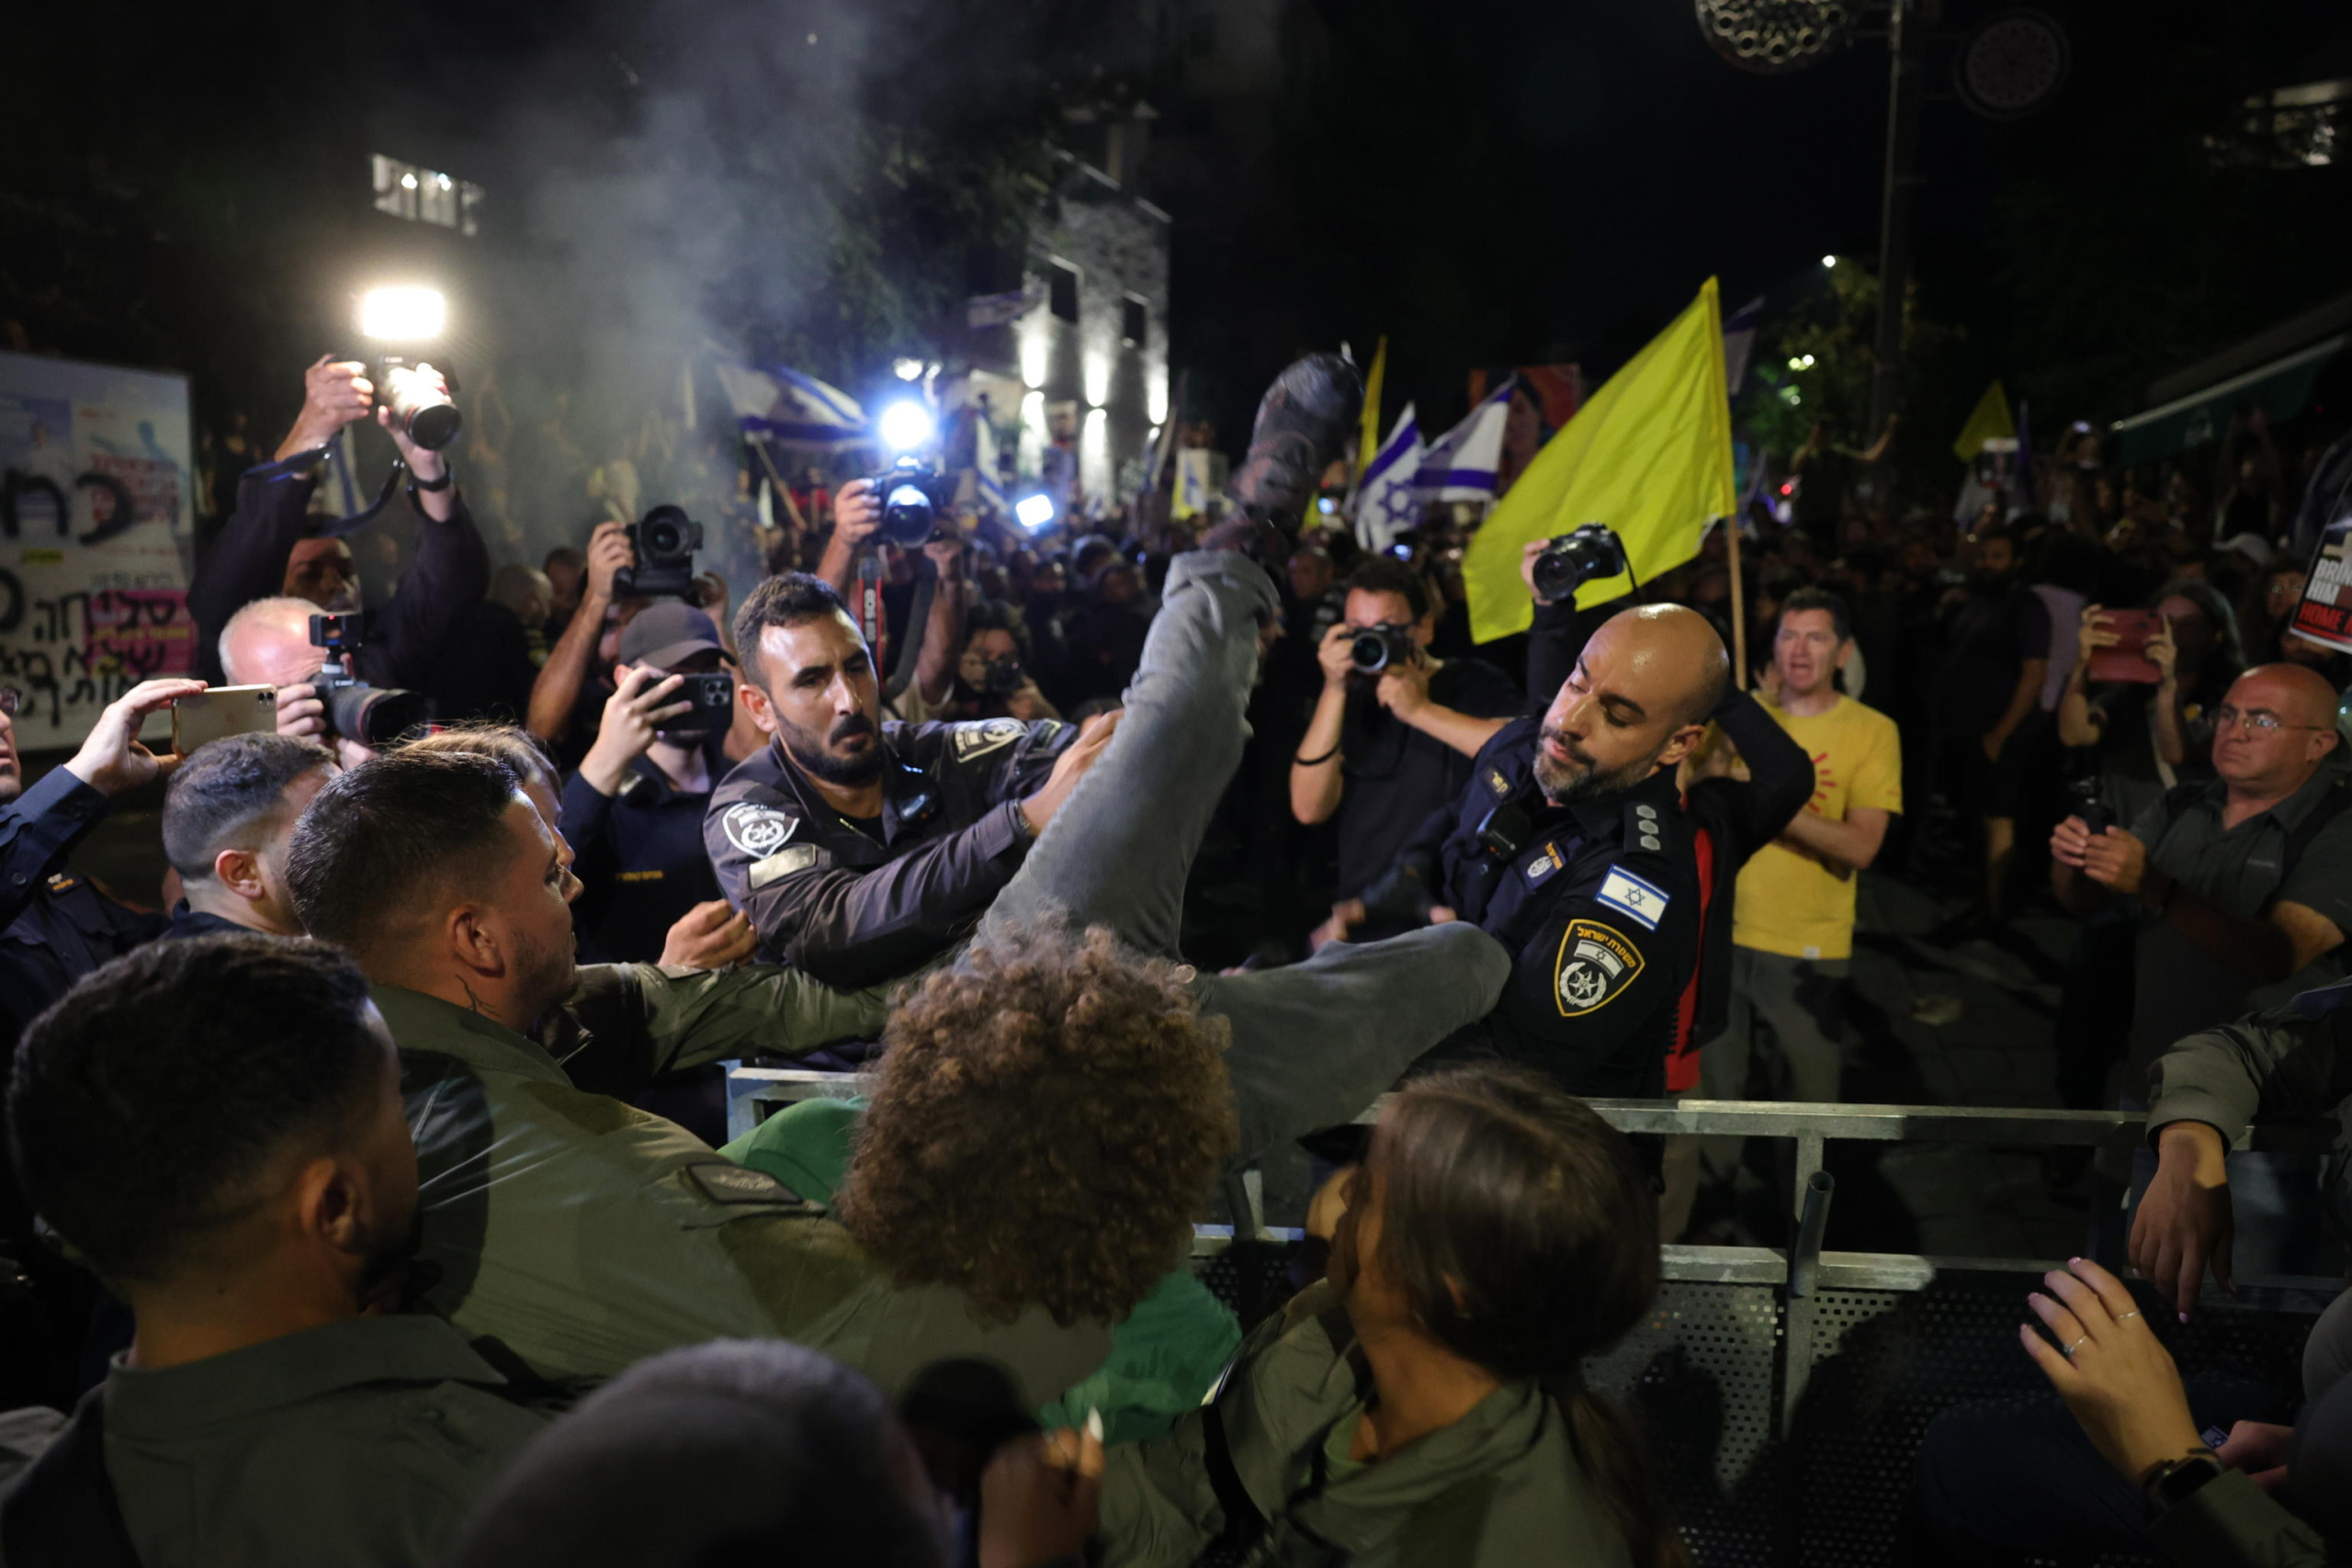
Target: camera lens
1370, 652
377, 716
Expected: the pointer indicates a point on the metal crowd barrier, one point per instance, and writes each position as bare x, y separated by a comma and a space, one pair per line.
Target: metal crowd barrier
1785, 1389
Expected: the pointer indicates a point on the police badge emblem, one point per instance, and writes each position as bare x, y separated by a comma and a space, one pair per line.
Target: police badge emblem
1596, 964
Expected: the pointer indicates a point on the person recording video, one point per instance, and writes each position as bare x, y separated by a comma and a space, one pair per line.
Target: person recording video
269, 546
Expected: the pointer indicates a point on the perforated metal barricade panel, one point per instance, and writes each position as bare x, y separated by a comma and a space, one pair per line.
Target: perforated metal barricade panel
1699, 1376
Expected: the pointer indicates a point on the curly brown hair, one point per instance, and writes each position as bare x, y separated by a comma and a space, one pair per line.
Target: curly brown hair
1050, 1114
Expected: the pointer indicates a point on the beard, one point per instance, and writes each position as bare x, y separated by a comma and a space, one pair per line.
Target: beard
817, 759
1583, 778
546, 974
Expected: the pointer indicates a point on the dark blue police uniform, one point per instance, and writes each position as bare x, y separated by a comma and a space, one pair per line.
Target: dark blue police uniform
640, 859
1598, 900
854, 904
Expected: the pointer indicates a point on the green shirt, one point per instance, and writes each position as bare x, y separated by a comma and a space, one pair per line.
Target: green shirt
358, 1444
587, 1234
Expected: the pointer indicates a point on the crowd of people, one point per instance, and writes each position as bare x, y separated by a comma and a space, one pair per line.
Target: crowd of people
375, 1203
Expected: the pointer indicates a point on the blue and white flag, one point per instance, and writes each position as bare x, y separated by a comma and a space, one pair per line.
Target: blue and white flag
1461, 464
1387, 501
787, 406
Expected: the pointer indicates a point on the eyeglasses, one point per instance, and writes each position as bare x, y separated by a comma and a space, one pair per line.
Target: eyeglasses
11, 700
2261, 721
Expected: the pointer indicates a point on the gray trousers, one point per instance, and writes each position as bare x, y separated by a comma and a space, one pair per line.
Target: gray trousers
1802, 1000
1316, 1043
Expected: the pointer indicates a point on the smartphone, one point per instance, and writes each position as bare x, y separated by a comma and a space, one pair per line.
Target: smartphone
2127, 661
712, 694
223, 710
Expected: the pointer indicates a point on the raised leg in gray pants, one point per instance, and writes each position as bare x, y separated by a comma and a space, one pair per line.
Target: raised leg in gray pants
1313, 1043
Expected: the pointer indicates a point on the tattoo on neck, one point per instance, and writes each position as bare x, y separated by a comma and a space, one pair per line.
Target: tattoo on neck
474, 1001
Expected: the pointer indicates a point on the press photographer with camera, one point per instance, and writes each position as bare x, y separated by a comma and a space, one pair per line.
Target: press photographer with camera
311, 658
899, 508
270, 545
633, 810
992, 679
1395, 727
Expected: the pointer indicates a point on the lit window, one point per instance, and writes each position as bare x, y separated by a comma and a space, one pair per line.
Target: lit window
426, 195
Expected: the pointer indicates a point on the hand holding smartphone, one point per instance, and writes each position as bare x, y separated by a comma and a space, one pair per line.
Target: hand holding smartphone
2128, 659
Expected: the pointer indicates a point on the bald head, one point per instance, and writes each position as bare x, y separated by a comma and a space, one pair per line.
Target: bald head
267, 643
1637, 702
2297, 707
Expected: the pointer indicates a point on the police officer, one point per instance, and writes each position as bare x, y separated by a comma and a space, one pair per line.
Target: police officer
860, 849
1568, 846
633, 811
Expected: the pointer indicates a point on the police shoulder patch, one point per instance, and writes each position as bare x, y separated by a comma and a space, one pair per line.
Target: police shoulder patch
1547, 861
786, 861
1637, 900
1597, 962
981, 737
723, 1182
757, 830
1497, 783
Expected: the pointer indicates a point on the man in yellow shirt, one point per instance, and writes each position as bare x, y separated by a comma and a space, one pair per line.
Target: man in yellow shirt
1793, 916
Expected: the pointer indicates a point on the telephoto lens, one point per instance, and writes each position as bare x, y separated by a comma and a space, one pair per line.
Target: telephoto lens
424, 411
376, 716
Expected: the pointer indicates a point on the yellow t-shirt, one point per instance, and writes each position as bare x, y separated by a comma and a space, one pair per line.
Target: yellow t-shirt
1790, 904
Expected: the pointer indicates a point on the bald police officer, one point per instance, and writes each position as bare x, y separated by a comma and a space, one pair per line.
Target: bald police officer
1570, 847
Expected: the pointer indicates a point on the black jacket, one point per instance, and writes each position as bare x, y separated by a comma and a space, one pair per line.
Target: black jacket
856, 909
401, 637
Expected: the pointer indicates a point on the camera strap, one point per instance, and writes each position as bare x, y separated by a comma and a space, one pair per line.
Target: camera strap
336, 527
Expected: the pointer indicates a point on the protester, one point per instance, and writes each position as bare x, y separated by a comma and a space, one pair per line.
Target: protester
267, 547
1988, 692
215, 1126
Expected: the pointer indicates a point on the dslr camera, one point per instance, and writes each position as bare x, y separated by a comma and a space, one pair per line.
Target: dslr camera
372, 715
1004, 677
1376, 647
420, 408
912, 493
1588, 554
665, 542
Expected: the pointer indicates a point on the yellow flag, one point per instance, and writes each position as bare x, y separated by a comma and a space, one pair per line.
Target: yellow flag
1649, 455
1991, 419
1369, 447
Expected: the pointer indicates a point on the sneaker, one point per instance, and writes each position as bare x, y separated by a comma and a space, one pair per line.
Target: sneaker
1304, 422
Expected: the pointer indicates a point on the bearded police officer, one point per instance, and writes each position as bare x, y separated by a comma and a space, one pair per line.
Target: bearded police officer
1569, 845
860, 850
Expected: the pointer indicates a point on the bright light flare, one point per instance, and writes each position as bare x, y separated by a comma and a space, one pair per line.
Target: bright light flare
907, 369
402, 315
905, 425
1034, 511
1829, 261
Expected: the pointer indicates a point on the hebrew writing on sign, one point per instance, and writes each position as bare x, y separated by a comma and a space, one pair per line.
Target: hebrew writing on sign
96, 535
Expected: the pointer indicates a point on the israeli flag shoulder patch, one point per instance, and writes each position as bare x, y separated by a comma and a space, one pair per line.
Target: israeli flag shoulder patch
1632, 898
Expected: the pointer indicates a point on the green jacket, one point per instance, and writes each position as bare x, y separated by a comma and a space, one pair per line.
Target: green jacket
1500, 1488
359, 1444
587, 1234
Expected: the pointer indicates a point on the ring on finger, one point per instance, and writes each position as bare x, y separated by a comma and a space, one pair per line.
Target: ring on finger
2133, 1313
2068, 1351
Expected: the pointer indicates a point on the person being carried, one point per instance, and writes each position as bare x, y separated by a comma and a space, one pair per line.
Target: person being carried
214, 1126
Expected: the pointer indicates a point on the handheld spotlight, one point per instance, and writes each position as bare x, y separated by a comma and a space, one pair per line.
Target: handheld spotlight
404, 315
1035, 512
905, 425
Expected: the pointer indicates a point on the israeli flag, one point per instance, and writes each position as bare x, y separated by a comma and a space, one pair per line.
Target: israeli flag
1461, 464
797, 409
1740, 343
1386, 502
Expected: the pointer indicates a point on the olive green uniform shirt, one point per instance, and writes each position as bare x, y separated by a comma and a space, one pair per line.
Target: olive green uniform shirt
1500, 1488
359, 1444
586, 1235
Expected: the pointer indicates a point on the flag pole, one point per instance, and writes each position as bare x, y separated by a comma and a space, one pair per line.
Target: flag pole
1738, 606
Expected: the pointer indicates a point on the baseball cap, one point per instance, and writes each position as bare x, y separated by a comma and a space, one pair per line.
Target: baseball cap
667, 634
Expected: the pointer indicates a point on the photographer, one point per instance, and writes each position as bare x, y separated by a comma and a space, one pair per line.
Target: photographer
269, 643
992, 679
267, 547
633, 811
1387, 747
861, 847
2241, 884
857, 518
